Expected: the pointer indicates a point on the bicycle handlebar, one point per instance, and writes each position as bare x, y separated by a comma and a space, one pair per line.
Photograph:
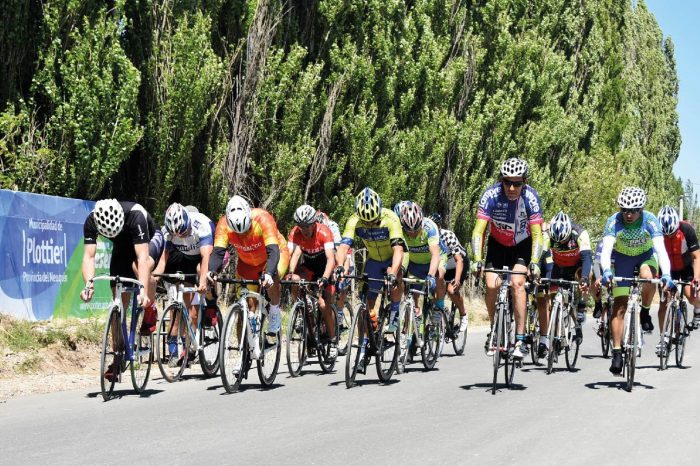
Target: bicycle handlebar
504, 271
116, 279
236, 281
558, 281
177, 276
655, 281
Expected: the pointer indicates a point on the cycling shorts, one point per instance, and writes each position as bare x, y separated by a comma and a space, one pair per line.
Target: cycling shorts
686, 275
375, 269
499, 256
123, 264
179, 262
625, 265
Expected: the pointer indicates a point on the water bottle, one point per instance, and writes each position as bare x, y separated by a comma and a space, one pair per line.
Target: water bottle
341, 316
253, 320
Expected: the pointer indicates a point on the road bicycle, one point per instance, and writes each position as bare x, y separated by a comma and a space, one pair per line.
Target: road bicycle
453, 321
371, 338
247, 338
177, 340
675, 330
502, 337
532, 325
307, 334
562, 324
123, 345
632, 335
603, 329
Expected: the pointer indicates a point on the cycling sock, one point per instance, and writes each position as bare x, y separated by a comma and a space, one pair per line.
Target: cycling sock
440, 303
394, 307
520, 337
645, 310
274, 309
618, 349
544, 340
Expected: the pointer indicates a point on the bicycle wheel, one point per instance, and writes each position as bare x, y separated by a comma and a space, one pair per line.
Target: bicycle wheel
682, 334
355, 353
234, 349
172, 343
271, 345
209, 342
606, 337
433, 336
142, 354
344, 325
572, 346
406, 324
296, 339
324, 341
460, 338
666, 337
112, 355
631, 351
387, 347
533, 330
509, 332
497, 345
552, 335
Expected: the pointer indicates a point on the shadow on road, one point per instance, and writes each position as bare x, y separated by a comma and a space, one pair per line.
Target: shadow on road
488, 386
594, 356
246, 387
359, 383
621, 385
122, 393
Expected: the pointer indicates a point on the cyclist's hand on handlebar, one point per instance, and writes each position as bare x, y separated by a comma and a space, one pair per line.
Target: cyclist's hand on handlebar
583, 284
211, 276
607, 277
202, 285
322, 282
696, 287
456, 284
431, 283
267, 281
476, 267
338, 272
534, 271
392, 280
86, 294
143, 299
667, 282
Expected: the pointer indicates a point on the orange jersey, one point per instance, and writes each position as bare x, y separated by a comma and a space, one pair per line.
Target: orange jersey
250, 246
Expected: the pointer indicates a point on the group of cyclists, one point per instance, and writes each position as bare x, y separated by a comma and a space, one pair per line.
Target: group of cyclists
403, 241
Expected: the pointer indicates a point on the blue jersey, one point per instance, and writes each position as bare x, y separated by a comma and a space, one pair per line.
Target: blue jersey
510, 220
633, 239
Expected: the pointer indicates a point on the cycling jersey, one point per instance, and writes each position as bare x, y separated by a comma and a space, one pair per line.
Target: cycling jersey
251, 245
576, 250
201, 234
419, 246
313, 248
378, 240
510, 220
451, 245
680, 245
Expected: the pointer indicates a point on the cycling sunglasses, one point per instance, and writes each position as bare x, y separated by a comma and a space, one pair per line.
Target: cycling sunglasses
514, 184
630, 211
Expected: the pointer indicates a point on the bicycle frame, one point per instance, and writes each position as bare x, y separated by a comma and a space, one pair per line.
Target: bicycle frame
176, 292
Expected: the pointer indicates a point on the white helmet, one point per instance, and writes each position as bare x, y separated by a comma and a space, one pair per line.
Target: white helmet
305, 215
238, 214
368, 205
668, 217
177, 220
411, 216
560, 228
398, 206
514, 167
109, 217
632, 198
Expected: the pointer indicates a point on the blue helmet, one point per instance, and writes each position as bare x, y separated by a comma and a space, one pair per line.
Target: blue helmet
177, 220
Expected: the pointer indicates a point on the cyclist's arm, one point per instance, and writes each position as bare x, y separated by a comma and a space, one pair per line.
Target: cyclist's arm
330, 261
397, 259
273, 257
89, 252
294, 260
459, 267
584, 244
341, 255
536, 233
606, 252
216, 261
478, 239
434, 259
696, 264
206, 253
160, 268
548, 263
660, 249
143, 270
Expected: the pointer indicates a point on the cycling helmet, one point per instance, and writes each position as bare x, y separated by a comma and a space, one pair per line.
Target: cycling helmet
109, 217
437, 218
191, 209
177, 220
560, 228
238, 214
411, 216
514, 167
322, 218
632, 198
305, 215
397, 207
368, 205
668, 217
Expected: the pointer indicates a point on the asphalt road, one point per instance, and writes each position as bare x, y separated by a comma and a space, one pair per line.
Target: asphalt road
445, 416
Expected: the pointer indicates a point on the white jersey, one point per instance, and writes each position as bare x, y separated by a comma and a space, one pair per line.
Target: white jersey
201, 234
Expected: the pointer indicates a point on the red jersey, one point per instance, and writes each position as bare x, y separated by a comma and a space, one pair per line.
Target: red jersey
313, 248
680, 245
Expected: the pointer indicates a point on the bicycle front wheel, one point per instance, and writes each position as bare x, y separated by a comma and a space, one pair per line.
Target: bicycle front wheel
605, 337
387, 348
209, 343
666, 337
631, 351
552, 336
497, 344
460, 338
355, 353
324, 340
269, 361
112, 355
172, 343
296, 339
572, 346
509, 333
681, 334
433, 336
344, 325
233, 349
142, 354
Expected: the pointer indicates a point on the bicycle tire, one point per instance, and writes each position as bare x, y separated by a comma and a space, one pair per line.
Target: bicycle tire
344, 328
509, 333
271, 344
354, 353
432, 331
111, 355
605, 337
169, 364
631, 351
665, 338
209, 344
459, 342
234, 349
496, 345
296, 339
572, 348
324, 343
387, 342
534, 332
406, 324
551, 334
142, 355
682, 334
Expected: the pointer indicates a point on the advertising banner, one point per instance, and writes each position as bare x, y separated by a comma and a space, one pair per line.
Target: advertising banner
41, 248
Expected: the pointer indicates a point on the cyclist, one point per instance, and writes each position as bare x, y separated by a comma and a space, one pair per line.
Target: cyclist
425, 259
570, 249
313, 242
512, 207
189, 242
631, 237
542, 296
137, 245
681, 244
381, 233
261, 250
348, 265
456, 269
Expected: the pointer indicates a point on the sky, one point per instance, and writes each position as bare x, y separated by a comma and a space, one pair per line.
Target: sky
679, 20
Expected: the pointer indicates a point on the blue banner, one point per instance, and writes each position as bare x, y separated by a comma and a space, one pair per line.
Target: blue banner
41, 245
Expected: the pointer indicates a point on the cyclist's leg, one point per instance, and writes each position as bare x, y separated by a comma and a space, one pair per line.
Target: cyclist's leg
324, 301
374, 269
647, 269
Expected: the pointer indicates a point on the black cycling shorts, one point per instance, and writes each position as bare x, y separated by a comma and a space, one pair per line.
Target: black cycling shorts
179, 262
685, 275
499, 256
